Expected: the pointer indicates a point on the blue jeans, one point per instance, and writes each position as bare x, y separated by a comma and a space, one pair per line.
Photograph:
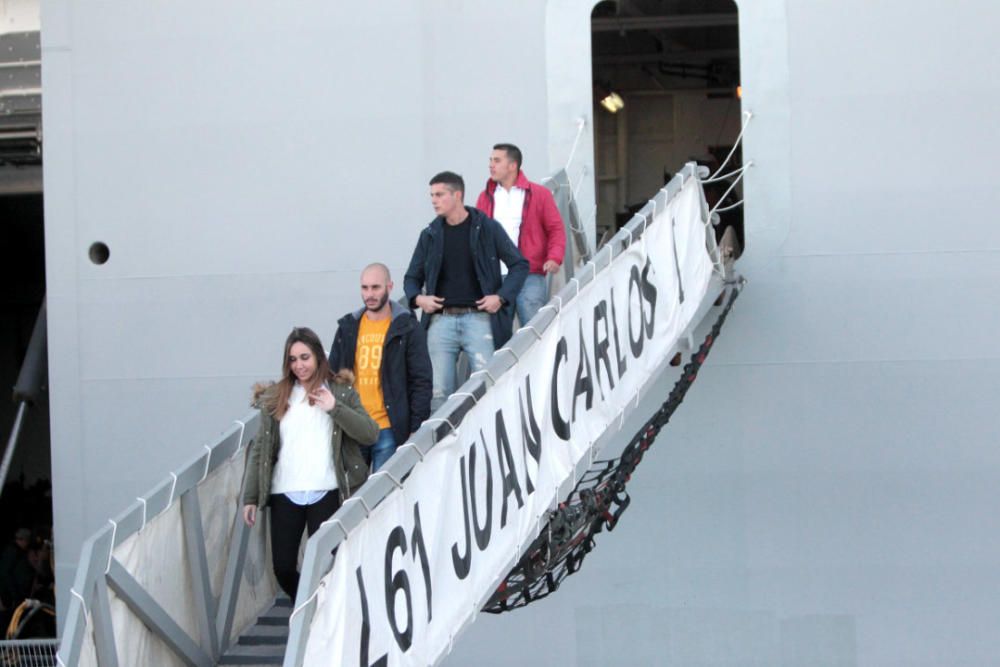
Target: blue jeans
383, 448
534, 294
447, 336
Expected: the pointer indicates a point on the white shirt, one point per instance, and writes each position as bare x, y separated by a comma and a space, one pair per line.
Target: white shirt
305, 462
507, 209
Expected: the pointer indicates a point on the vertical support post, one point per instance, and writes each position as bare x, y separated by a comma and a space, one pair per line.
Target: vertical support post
231, 582
104, 630
194, 539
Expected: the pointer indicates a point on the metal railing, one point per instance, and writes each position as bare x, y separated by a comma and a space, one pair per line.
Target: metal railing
28, 652
318, 556
100, 572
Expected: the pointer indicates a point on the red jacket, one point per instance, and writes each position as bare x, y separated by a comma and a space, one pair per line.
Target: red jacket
542, 236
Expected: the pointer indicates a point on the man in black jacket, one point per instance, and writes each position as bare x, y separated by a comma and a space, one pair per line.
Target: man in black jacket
454, 278
386, 349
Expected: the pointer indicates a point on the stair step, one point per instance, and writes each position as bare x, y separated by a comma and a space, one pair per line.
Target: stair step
264, 643
254, 655
278, 614
259, 635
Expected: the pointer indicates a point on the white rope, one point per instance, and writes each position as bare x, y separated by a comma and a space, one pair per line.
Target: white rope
143, 501
526, 327
579, 182
239, 443
383, 471
83, 603
466, 393
208, 462
739, 138
173, 487
420, 454
364, 503
729, 208
336, 522
549, 304
486, 372
734, 172
576, 283
308, 600
507, 349
111, 549
728, 190
580, 124
445, 420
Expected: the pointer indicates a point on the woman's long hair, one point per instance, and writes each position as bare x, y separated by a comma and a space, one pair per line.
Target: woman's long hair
275, 401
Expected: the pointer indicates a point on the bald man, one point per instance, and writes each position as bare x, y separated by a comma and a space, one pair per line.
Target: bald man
386, 348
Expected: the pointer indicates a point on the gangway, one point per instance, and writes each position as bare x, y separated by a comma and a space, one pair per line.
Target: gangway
448, 517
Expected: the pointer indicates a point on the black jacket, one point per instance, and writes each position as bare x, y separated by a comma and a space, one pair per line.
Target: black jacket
490, 245
405, 374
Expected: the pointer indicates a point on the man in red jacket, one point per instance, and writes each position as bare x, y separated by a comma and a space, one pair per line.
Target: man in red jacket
529, 215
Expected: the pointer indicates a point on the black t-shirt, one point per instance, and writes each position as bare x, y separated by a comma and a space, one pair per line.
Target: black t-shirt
457, 281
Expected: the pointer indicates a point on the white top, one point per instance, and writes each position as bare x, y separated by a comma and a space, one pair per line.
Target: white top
507, 209
305, 462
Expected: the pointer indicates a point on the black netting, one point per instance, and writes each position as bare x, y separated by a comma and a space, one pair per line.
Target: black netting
596, 503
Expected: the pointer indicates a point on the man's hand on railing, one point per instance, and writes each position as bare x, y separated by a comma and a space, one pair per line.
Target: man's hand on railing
250, 514
550, 266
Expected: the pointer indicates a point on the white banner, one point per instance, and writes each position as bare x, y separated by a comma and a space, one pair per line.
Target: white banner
413, 574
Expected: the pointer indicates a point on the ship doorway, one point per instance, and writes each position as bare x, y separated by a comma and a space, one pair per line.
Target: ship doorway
26, 497
666, 77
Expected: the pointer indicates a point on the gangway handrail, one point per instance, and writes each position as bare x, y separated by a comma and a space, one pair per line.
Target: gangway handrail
99, 571
318, 558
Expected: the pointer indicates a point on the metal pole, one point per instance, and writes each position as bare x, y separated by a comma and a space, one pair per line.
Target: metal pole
8, 454
30, 386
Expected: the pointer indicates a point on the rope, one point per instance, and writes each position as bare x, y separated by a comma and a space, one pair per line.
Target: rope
579, 182
728, 190
239, 443
446, 420
596, 503
728, 208
111, 549
580, 124
384, 471
724, 177
306, 603
173, 487
83, 603
493, 381
739, 138
208, 462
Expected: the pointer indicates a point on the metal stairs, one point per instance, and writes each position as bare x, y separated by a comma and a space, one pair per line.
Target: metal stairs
263, 643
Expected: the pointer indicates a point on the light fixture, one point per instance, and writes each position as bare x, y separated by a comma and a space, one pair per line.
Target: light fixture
613, 102
739, 92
